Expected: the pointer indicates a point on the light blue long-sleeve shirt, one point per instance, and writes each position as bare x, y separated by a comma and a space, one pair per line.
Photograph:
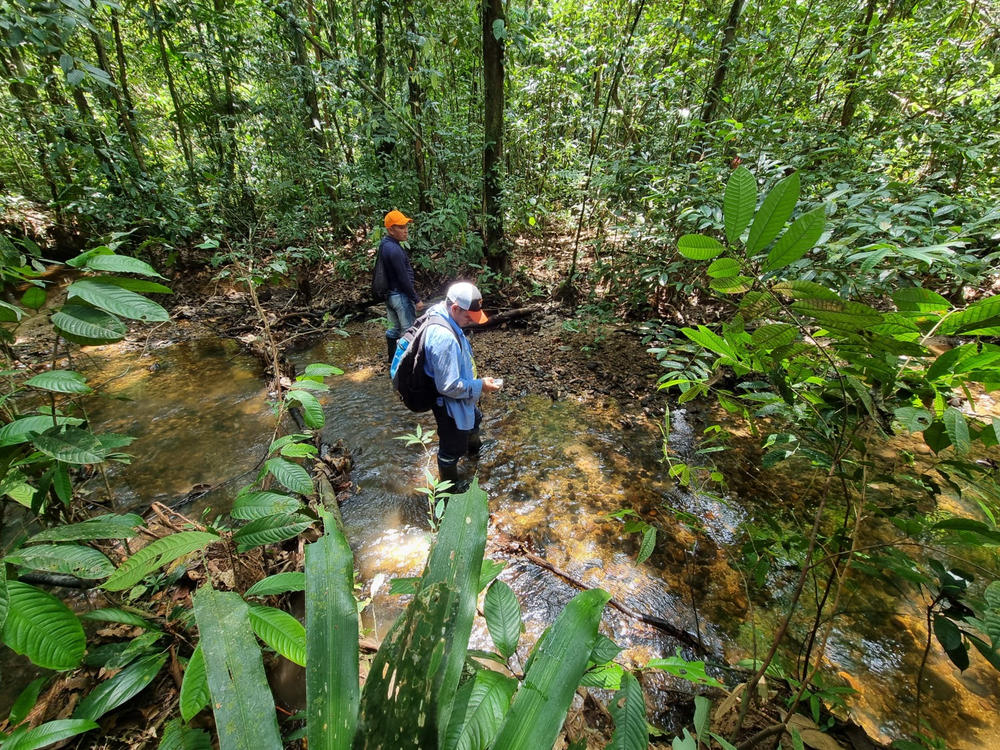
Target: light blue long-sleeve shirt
449, 361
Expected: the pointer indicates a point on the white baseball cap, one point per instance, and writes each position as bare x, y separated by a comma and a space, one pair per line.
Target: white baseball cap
469, 298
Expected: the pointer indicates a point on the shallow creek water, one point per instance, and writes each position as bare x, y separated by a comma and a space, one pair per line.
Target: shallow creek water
553, 472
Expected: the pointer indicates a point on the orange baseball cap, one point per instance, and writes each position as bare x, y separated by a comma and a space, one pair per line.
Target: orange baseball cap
395, 217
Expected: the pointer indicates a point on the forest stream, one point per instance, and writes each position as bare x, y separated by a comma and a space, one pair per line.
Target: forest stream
554, 470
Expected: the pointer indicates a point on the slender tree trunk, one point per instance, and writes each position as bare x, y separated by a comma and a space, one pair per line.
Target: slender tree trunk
416, 111
858, 57
179, 118
497, 256
714, 95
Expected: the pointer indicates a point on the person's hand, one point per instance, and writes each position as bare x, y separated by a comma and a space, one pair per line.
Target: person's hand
492, 384
420, 305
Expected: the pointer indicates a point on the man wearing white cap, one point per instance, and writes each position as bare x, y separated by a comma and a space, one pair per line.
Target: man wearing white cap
451, 365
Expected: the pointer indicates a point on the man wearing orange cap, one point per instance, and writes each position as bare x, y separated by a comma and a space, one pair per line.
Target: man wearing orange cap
451, 365
401, 300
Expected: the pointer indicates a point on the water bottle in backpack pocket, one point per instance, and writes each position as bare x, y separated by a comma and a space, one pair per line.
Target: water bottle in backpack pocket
415, 387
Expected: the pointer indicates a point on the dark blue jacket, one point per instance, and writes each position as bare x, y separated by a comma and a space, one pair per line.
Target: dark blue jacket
398, 271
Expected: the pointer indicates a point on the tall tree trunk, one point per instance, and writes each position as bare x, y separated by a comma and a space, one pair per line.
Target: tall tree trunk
497, 255
312, 120
179, 118
384, 138
714, 95
858, 57
126, 92
416, 111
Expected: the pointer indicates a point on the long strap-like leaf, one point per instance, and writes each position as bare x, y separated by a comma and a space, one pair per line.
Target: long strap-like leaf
244, 709
556, 666
332, 688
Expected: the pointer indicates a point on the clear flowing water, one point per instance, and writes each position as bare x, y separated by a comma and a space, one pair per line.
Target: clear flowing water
554, 471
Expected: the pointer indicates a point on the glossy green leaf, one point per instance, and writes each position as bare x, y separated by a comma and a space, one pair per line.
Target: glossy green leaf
773, 213
913, 419
723, 268
699, 247
271, 530
135, 285
155, 555
279, 583
957, 429
121, 264
312, 410
478, 711
33, 297
319, 369
739, 203
117, 301
25, 701
558, 661
115, 691
797, 240
290, 475
241, 699
802, 290
88, 326
950, 638
10, 313
253, 505
647, 546
918, 299
838, 314
773, 335
111, 526
113, 614
48, 733
194, 686
978, 318
68, 559
693, 671
711, 341
4, 598
732, 285
628, 709
489, 572
42, 628
71, 445
604, 676
332, 678
280, 631
503, 617
176, 736
60, 381
21, 430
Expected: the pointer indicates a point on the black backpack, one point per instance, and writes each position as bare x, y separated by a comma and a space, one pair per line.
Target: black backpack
380, 280
415, 387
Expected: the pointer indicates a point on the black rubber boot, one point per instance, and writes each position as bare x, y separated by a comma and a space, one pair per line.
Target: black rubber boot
390, 348
475, 445
448, 471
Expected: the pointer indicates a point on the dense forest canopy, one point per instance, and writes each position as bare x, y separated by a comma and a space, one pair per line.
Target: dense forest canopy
179, 119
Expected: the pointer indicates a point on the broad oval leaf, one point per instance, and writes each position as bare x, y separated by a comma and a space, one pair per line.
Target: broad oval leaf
647, 546
290, 475
980, 318
773, 335
503, 617
480, 706
255, 505
699, 247
69, 559
113, 692
321, 369
116, 300
156, 554
312, 410
797, 240
20, 430
194, 686
739, 203
88, 326
957, 429
734, 285
913, 418
773, 213
839, 314
121, 264
42, 628
10, 313
48, 734
112, 614
918, 299
279, 583
110, 526
723, 268
71, 445
33, 297
59, 381
280, 631
271, 530
804, 290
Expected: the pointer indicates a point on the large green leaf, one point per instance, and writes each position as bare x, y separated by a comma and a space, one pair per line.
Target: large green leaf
4, 599
957, 429
479, 709
113, 692
711, 341
839, 314
693, 671
194, 686
699, 247
88, 326
116, 300
290, 475
21, 430
723, 268
33, 297
918, 299
271, 530
42, 628
280, 631
977, 319
70, 559
797, 240
110, 526
773, 335
804, 290
136, 285
312, 410
121, 264
739, 203
279, 583
241, 699
503, 617
177, 736
59, 381
332, 687
628, 709
254, 505
25, 701
10, 313
156, 554
47, 734
71, 445
113, 614
557, 663
773, 213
